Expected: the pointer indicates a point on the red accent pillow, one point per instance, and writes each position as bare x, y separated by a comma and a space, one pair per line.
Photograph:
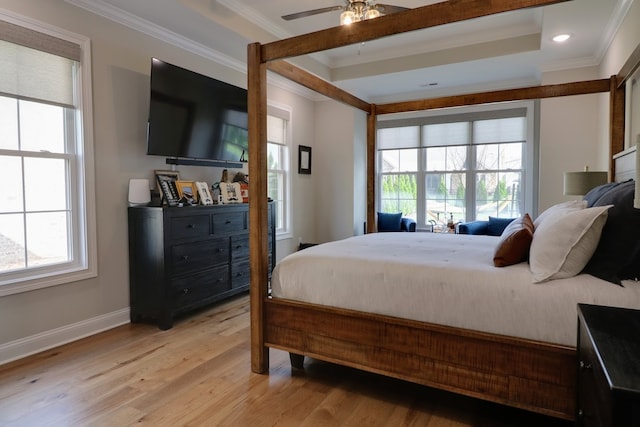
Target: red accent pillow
514, 243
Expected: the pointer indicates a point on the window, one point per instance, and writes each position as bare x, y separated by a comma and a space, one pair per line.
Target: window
278, 136
46, 232
469, 165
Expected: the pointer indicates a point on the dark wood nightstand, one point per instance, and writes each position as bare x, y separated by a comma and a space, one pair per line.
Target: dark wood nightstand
608, 366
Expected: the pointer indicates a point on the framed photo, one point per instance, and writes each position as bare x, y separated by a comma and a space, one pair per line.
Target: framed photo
304, 159
167, 186
188, 191
230, 192
204, 195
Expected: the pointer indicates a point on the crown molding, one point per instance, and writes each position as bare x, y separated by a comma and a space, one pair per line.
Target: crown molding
115, 14
621, 10
129, 20
256, 18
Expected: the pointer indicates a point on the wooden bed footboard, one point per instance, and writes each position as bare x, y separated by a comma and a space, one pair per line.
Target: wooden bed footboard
531, 375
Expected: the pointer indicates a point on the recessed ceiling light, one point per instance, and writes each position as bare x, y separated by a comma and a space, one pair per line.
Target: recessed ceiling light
560, 38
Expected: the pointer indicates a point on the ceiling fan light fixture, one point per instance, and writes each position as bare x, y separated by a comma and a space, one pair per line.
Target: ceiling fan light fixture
347, 17
371, 13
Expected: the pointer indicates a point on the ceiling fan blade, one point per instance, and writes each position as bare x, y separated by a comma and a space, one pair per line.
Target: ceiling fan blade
387, 8
311, 12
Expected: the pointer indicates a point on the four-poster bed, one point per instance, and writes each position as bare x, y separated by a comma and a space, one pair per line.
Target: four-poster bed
523, 373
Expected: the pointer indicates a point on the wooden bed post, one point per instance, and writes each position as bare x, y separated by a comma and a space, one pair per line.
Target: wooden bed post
616, 126
258, 206
371, 170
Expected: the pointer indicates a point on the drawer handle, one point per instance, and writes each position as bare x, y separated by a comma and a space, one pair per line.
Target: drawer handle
228, 221
585, 366
191, 226
185, 257
239, 247
239, 274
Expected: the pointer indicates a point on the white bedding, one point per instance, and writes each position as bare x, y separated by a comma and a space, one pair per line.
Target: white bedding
447, 279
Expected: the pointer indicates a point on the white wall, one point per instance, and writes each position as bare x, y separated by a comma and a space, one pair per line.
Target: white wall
121, 59
569, 136
341, 181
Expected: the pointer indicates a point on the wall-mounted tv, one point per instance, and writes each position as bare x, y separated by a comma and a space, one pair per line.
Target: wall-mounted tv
193, 116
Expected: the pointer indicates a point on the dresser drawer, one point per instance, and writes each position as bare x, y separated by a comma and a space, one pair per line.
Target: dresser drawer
595, 405
239, 247
190, 257
197, 287
228, 222
240, 274
188, 227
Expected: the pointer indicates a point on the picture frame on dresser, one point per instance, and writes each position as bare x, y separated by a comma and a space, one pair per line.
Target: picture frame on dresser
167, 187
204, 195
230, 192
187, 191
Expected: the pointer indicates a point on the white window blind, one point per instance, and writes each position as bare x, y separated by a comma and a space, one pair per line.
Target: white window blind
37, 67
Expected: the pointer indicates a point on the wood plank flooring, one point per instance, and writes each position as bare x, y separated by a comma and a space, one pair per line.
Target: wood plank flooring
198, 374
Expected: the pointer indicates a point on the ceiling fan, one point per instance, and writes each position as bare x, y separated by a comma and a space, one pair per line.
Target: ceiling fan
353, 11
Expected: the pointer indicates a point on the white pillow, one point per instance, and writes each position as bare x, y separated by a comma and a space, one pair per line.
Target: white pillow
571, 205
565, 241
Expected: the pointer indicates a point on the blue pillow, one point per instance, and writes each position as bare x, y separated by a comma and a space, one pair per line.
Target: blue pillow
389, 221
497, 225
617, 256
595, 193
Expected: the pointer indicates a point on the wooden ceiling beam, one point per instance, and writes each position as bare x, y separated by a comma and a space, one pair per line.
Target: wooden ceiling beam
534, 92
308, 80
446, 12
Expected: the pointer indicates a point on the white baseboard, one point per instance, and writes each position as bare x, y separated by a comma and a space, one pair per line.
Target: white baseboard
24, 347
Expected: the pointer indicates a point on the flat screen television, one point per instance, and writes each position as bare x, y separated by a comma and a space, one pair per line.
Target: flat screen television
193, 116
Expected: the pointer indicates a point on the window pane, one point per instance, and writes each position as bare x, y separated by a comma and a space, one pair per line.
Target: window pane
47, 238
11, 194
498, 195
456, 158
447, 158
511, 155
45, 184
399, 194
273, 156
41, 127
487, 157
12, 242
8, 123
445, 195
399, 160
499, 130
446, 134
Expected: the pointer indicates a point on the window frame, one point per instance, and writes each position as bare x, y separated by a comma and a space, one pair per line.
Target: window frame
284, 113
81, 179
470, 113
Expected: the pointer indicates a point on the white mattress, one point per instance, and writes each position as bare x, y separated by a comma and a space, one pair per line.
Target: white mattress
447, 279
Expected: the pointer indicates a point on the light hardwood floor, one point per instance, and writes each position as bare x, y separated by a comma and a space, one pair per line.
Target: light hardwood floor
198, 374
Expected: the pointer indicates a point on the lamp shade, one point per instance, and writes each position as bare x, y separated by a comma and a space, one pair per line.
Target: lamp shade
139, 193
579, 183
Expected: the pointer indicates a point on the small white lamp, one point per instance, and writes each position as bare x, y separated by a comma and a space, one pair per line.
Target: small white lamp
139, 192
579, 183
